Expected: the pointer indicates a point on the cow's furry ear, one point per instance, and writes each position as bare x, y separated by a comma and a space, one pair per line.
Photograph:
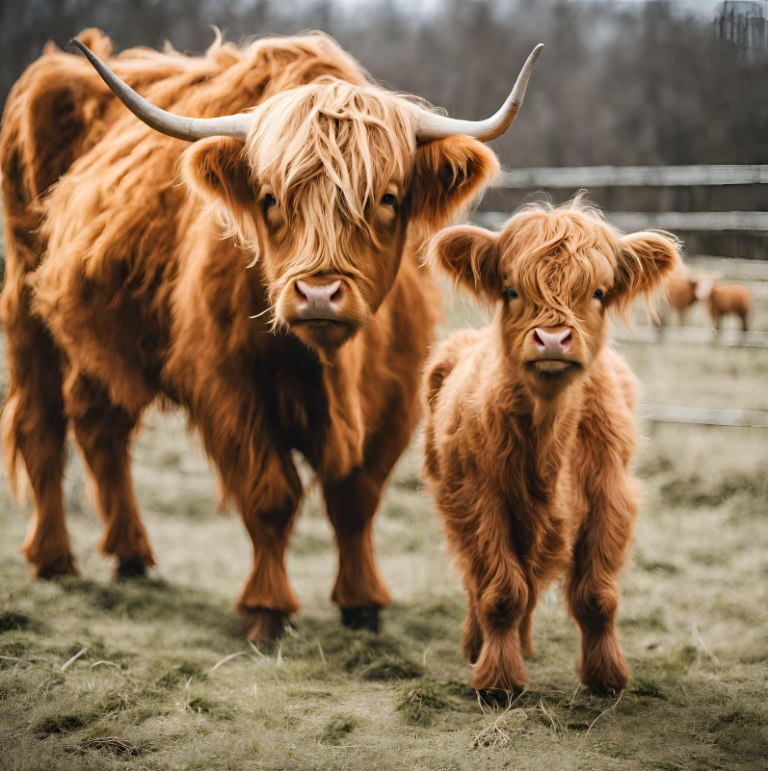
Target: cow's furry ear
470, 256
449, 175
645, 262
218, 171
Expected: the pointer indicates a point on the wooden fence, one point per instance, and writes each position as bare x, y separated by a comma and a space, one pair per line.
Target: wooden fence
703, 416
634, 176
590, 177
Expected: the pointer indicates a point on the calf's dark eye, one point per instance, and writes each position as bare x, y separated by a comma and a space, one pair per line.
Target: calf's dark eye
269, 201
599, 294
388, 200
512, 293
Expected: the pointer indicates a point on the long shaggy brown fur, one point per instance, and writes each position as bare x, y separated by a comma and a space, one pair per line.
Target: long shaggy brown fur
143, 270
528, 459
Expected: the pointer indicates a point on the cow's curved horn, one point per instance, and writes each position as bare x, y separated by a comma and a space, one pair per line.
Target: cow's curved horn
177, 126
431, 126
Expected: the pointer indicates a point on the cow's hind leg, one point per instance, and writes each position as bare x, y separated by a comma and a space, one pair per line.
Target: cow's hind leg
103, 432
34, 426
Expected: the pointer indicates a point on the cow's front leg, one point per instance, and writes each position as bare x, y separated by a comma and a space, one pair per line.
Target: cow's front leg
359, 590
268, 510
472, 632
261, 479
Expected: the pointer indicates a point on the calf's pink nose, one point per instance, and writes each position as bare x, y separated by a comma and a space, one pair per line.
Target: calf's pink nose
555, 343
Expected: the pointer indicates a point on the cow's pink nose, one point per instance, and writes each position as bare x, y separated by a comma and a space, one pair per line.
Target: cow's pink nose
552, 343
320, 299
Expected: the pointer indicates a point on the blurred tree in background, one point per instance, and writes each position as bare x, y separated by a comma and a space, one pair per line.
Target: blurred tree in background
639, 83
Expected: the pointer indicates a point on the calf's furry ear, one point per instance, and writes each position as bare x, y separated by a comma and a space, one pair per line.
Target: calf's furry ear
645, 262
218, 172
449, 175
470, 256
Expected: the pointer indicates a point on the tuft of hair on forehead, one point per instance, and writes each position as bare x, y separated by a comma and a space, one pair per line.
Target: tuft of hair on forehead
570, 249
331, 147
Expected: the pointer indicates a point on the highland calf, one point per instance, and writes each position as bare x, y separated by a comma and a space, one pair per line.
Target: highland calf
265, 279
530, 432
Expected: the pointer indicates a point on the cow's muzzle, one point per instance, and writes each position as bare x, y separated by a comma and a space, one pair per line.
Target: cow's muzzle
321, 297
323, 310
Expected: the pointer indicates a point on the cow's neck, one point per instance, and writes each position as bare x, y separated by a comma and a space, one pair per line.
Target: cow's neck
343, 446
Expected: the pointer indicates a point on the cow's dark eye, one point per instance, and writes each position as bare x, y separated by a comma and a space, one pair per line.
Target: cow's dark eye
599, 294
388, 200
512, 293
269, 201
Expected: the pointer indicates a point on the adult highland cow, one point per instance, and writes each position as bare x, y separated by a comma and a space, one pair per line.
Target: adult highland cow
272, 288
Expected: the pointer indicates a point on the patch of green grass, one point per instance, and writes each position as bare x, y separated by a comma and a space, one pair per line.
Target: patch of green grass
11, 619
419, 701
63, 723
337, 729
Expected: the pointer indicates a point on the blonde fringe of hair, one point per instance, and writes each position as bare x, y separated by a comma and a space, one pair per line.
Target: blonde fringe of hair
329, 149
573, 248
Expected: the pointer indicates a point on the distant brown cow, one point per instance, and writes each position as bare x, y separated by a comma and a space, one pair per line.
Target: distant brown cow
530, 431
725, 299
272, 288
682, 295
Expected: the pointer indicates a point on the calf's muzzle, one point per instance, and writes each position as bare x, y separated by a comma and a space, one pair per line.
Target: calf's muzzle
552, 343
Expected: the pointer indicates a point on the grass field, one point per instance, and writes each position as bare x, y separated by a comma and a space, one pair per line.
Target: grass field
153, 674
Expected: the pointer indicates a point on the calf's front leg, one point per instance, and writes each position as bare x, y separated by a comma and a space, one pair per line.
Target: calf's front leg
592, 587
503, 598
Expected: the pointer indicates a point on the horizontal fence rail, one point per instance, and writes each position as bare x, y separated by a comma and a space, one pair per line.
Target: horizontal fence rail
745, 221
728, 338
703, 416
633, 176
589, 177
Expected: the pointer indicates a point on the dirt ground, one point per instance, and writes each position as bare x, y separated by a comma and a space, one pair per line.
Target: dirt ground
153, 674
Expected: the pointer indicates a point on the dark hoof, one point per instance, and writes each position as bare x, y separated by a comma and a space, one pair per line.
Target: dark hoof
264, 625
65, 566
361, 618
497, 697
607, 690
129, 568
